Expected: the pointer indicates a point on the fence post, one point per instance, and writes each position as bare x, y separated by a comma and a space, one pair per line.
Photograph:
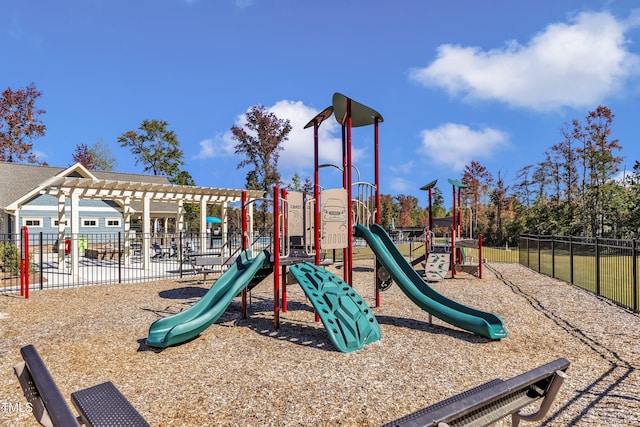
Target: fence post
597, 266
634, 279
539, 257
553, 256
180, 252
480, 260
571, 259
41, 258
119, 257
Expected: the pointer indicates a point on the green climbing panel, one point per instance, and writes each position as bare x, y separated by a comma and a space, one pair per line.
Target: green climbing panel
348, 320
436, 267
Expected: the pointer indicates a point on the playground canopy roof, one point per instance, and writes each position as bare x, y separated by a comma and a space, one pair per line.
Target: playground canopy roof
457, 183
430, 185
320, 117
361, 115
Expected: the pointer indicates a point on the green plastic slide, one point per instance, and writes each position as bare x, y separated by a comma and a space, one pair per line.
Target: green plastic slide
189, 323
348, 320
480, 322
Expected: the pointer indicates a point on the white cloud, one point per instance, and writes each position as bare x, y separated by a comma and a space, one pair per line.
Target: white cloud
297, 151
455, 145
400, 185
575, 64
298, 148
222, 145
297, 154
405, 168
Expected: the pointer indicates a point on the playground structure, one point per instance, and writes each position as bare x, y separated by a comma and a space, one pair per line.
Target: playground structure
303, 226
439, 259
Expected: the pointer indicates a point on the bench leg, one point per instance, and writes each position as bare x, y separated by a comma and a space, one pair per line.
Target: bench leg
554, 387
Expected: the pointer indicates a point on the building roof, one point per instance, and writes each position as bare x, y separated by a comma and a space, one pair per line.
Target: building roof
22, 181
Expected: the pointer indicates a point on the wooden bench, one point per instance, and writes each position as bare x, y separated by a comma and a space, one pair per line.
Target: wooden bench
496, 399
100, 405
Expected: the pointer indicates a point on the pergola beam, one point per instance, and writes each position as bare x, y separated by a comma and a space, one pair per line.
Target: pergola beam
125, 192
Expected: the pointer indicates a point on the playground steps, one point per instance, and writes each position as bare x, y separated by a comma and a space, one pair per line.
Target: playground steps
436, 267
348, 320
472, 269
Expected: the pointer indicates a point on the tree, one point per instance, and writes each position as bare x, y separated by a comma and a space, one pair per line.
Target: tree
156, 147
387, 211
478, 181
260, 141
498, 197
103, 157
19, 124
600, 165
409, 212
83, 156
296, 184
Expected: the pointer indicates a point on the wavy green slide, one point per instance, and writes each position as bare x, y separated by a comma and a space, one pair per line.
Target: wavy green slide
348, 320
191, 322
480, 322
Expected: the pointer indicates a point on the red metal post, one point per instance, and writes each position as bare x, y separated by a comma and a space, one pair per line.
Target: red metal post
348, 269
24, 264
376, 136
243, 306
276, 258
377, 183
285, 231
316, 193
460, 212
245, 237
454, 255
345, 251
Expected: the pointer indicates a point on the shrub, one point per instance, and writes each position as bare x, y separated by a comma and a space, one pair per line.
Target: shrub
10, 257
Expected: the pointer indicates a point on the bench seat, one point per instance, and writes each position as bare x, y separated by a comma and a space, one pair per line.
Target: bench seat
494, 400
100, 405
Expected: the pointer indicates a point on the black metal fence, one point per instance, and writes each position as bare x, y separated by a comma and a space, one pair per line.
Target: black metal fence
606, 267
111, 257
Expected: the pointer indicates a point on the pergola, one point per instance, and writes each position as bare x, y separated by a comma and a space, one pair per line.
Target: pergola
124, 193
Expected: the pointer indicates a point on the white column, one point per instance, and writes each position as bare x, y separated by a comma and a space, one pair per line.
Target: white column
203, 224
180, 216
146, 231
250, 225
62, 221
224, 229
126, 217
75, 230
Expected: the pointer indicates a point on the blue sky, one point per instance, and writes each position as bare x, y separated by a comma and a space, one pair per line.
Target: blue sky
454, 81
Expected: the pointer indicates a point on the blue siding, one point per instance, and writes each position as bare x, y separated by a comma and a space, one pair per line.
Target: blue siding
45, 206
47, 200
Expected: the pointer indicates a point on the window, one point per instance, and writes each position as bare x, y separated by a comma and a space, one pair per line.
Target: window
32, 222
112, 222
54, 223
90, 222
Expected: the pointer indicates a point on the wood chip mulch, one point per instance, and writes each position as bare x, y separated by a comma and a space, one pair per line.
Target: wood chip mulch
242, 372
